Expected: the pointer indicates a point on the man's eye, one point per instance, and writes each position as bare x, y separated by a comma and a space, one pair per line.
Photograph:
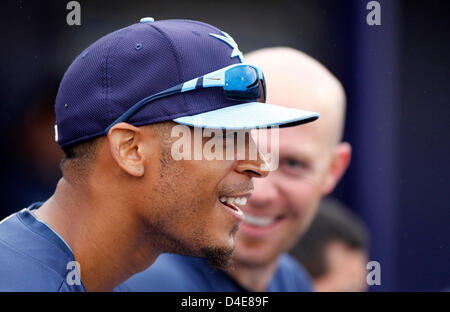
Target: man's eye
292, 163
293, 167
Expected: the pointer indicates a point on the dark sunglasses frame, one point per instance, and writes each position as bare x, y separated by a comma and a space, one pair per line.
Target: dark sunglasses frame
240, 82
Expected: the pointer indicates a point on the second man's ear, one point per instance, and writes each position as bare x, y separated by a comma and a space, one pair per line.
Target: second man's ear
338, 166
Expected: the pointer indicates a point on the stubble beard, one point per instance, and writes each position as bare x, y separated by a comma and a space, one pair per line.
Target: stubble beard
219, 257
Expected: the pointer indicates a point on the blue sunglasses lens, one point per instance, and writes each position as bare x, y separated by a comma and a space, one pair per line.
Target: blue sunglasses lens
243, 83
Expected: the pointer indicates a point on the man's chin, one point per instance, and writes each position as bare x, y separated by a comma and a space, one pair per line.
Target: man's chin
254, 257
218, 257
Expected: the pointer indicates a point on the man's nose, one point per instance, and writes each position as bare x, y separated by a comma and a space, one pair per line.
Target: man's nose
258, 168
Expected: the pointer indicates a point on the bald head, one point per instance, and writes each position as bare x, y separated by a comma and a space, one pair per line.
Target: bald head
296, 80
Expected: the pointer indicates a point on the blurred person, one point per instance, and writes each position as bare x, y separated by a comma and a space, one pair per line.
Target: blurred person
312, 159
334, 249
123, 199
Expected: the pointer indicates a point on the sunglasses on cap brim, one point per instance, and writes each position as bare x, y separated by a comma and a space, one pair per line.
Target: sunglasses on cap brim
240, 82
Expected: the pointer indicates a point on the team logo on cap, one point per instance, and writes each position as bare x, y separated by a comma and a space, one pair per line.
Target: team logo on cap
230, 41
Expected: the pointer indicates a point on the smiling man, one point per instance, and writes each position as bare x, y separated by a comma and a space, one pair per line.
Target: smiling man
312, 159
123, 198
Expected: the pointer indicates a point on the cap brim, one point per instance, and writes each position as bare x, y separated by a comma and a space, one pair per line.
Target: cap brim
248, 116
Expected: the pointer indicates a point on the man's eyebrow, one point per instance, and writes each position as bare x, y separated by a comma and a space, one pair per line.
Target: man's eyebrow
298, 155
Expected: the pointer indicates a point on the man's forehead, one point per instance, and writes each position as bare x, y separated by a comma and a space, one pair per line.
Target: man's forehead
293, 88
302, 139
296, 80
299, 140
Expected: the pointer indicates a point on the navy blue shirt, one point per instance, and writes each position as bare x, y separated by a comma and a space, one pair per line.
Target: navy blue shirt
179, 273
33, 257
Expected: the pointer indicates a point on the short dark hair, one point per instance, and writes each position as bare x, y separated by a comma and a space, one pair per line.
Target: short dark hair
79, 156
333, 222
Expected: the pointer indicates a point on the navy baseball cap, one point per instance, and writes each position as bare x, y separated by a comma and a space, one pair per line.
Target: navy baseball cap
135, 62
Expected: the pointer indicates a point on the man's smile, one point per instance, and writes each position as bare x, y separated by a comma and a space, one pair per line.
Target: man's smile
232, 204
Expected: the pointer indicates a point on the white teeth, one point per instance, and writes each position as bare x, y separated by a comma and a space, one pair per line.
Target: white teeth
258, 221
233, 200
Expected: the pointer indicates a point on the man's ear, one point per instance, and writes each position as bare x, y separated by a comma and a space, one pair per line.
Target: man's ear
125, 143
339, 164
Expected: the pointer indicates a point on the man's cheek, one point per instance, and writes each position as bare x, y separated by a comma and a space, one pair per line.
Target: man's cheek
300, 202
300, 194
